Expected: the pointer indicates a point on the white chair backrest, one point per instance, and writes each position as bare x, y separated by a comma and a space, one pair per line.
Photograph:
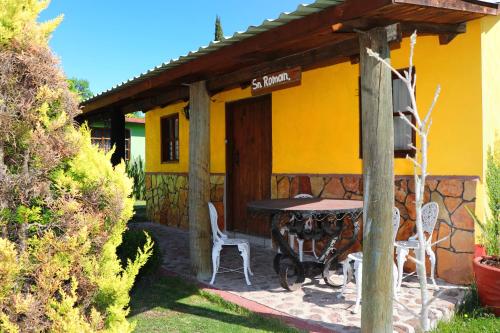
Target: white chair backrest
216, 233
430, 213
395, 221
303, 196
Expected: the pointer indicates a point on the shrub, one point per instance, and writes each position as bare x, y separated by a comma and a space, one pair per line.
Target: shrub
470, 316
135, 170
133, 241
490, 228
63, 207
470, 306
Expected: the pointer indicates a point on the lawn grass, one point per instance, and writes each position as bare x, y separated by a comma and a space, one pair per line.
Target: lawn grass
465, 324
470, 317
169, 304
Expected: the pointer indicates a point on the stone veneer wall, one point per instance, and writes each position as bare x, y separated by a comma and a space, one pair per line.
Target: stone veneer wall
453, 194
167, 198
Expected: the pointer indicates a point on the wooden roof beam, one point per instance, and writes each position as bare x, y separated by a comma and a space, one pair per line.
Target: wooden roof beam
446, 32
162, 99
306, 60
473, 6
168, 96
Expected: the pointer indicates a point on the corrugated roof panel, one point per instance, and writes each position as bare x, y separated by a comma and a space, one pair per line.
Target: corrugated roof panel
285, 17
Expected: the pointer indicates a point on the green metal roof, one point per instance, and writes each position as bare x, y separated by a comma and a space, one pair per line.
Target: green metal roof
285, 17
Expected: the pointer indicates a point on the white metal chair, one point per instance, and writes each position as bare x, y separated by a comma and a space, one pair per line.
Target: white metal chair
430, 213
357, 259
219, 240
300, 241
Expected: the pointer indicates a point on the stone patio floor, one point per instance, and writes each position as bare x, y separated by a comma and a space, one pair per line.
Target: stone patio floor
315, 302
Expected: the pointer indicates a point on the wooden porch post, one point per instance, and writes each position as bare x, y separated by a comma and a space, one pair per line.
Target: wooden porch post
118, 136
378, 180
199, 179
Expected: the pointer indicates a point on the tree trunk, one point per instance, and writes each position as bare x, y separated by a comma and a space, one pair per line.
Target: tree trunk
420, 252
199, 180
378, 171
118, 136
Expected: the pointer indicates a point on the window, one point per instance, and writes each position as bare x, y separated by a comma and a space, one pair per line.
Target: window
404, 135
102, 138
170, 138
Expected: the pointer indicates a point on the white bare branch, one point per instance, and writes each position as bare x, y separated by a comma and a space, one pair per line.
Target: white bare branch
415, 260
414, 161
413, 42
409, 108
377, 56
402, 116
433, 104
428, 129
412, 146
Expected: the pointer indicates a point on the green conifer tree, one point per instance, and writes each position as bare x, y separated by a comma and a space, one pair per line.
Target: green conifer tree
219, 34
63, 206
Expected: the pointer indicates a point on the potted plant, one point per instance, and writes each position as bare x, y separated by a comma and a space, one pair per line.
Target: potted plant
487, 267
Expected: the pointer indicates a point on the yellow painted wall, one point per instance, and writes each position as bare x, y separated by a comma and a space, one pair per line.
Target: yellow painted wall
490, 61
217, 134
153, 141
490, 65
316, 125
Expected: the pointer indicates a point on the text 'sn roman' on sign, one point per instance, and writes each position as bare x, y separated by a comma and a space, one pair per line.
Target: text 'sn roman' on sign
274, 81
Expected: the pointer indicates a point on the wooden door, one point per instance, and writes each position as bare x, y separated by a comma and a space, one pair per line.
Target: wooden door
248, 162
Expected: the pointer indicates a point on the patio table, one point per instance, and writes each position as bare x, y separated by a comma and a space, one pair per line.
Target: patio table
314, 218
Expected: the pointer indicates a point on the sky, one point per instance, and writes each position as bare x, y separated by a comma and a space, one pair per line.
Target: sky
109, 41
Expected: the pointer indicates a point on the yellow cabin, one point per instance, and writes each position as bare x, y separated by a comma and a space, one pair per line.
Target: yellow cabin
283, 116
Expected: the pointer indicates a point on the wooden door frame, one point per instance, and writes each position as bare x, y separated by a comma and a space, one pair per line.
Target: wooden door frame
228, 225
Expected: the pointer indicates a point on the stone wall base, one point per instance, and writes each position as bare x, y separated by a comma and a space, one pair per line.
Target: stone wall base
166, 197
453, 194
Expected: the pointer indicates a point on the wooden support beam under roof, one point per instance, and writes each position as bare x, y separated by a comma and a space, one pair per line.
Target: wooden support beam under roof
163, 98
446, 32
473, 6
378, 182
199, 180
306, 60
406, 26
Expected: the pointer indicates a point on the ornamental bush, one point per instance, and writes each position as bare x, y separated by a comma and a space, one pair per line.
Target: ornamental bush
135, 170
134, 241
63, 207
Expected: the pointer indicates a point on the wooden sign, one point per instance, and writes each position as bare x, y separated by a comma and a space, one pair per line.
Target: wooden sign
277, 80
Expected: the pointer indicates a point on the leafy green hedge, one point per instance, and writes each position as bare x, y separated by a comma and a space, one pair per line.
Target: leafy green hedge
133, 240
135, 170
